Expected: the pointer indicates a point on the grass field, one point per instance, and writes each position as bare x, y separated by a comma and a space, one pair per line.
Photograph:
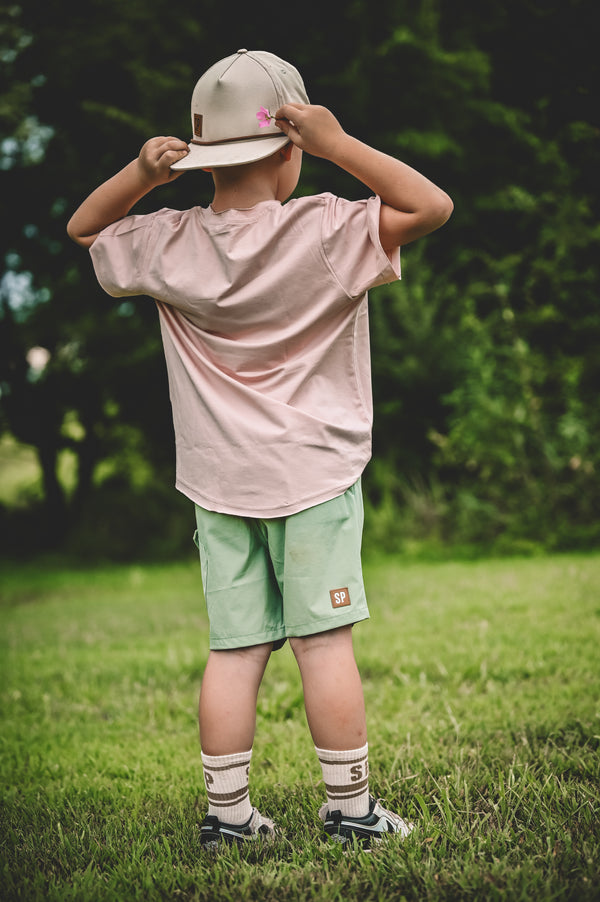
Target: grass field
482, 683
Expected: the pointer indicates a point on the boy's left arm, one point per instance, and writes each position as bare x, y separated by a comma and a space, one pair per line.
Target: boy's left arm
114, 199
412, 206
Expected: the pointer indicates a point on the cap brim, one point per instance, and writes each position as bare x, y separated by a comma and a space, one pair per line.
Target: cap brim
230, 153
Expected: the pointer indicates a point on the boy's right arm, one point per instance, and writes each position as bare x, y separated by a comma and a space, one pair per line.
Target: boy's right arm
115, 198
412, 206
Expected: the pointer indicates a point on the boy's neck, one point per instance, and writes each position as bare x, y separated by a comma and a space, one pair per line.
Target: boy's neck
243, 187
239, 199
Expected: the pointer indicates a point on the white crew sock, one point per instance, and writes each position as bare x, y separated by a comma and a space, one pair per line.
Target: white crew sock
346, 777
226, 781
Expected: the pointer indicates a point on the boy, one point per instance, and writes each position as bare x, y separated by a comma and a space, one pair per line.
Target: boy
263, 313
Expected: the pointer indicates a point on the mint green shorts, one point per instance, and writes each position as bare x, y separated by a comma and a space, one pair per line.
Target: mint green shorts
266, 580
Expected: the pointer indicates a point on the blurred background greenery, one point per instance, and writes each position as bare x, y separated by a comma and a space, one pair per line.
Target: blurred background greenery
485, 357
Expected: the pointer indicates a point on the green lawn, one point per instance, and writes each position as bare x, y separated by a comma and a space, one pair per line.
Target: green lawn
482, 683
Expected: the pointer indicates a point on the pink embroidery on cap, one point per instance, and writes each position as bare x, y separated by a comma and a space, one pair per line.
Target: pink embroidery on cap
264, 118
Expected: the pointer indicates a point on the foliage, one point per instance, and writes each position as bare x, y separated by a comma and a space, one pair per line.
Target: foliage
481, 684
485, 360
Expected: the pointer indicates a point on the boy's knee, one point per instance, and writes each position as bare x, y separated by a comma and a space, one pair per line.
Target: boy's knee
299, 644
257, 652
302, 645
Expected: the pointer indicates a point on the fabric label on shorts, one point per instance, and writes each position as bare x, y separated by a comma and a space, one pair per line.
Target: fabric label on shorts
340, 598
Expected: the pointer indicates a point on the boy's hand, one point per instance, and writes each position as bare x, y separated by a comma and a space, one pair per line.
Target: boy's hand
114, 198
155, 158
312, 128
412, 206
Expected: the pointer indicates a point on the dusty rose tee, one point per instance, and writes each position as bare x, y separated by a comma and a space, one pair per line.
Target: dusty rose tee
264, 322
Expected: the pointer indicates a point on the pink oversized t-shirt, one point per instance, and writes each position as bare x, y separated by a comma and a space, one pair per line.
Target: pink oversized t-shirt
264, 323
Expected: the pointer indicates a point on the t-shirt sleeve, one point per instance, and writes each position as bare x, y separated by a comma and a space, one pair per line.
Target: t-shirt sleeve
350, 236
118, 255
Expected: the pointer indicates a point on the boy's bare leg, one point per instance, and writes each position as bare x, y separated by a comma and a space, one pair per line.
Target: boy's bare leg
333, 694
227, 709
335, 710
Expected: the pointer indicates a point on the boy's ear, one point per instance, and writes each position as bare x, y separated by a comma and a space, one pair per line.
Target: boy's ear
286, 152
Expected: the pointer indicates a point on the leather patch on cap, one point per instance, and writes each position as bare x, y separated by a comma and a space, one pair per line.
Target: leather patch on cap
340, 598
198, 125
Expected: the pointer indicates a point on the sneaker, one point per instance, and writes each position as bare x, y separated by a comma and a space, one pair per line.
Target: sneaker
213, 831
378, 823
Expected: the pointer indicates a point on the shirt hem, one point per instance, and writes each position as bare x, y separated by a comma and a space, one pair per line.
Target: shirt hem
294, 507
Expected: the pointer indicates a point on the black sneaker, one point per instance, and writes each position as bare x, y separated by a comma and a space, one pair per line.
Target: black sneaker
377, 824
213, 831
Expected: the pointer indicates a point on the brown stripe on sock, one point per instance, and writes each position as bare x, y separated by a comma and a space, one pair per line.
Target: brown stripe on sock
348, 791
350, 761
226, 799
350, 795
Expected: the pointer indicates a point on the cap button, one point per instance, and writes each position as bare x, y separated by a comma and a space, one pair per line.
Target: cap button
243, 50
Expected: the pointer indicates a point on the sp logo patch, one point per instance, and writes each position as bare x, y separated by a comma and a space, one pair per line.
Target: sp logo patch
340, 598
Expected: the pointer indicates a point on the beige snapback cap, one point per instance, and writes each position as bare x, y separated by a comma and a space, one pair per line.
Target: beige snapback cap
232, 110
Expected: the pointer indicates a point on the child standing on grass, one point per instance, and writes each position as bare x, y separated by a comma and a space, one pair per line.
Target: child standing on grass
263, 314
